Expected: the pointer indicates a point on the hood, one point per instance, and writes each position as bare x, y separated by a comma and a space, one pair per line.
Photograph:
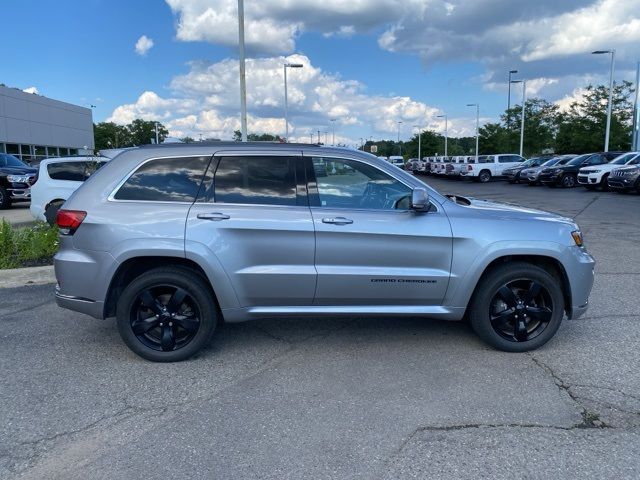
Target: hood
630, 168
18, 170
506, 211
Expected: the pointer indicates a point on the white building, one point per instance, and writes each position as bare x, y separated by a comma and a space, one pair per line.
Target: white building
33, 127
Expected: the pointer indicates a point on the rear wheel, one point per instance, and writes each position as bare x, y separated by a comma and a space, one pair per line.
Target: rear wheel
518, 307
5, 200
166, 314
568, 181
485, 176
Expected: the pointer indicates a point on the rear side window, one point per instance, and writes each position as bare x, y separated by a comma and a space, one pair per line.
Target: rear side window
165, 180
256, 180
72, 171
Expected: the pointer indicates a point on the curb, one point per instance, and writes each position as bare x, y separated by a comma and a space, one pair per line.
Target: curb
19, 277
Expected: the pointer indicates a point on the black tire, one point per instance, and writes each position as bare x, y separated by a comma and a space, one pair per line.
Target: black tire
173, 290
519, 278
484, 176
51, 211
568, 181
604, 183
5, 200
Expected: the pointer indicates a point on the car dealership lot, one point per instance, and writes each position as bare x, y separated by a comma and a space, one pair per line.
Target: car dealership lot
338, 398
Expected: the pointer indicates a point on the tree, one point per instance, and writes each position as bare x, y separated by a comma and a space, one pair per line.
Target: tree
257, 137
142, 131
110, 135
187, 139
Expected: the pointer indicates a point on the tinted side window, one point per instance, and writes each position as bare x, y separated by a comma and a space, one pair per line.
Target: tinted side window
72, 171
165, 180
256, 180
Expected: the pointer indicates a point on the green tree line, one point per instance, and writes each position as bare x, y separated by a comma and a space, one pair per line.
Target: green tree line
139, 132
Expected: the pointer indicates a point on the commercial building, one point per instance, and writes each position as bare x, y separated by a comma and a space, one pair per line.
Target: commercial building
33, 127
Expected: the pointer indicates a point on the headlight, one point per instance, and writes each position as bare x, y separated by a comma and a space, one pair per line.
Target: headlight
577, 237
18, 178
595, 171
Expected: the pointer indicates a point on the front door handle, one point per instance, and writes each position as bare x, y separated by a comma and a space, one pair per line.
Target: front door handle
216, 216
337, 220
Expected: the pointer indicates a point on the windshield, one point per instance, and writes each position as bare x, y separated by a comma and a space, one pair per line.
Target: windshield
7, 160
622, 159
578, 160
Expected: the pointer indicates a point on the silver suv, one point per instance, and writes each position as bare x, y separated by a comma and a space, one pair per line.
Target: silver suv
172, 240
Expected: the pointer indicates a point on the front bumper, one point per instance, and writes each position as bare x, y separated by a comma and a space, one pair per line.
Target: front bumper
579, 266
622, 183
588, 180
19, 192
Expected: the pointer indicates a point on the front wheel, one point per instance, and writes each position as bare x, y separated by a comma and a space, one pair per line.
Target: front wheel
166, 314
518, 307
604, 183
5, 200
485, 176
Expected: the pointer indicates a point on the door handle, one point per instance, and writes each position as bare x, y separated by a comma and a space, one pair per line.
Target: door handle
216, 217
337, 220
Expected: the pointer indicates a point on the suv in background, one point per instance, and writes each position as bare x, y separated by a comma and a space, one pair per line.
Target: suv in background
566, 175
627, 178
397, 160
173, 239
16, 179
489, 166
56, 180
593, 177
512, 175
532, 174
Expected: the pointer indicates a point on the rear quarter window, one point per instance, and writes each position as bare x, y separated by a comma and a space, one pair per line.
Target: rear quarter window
165, 180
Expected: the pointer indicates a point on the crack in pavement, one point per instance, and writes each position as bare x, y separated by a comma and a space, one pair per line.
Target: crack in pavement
595, 198
24, 309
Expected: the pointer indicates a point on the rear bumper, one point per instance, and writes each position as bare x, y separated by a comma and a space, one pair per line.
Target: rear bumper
78, 304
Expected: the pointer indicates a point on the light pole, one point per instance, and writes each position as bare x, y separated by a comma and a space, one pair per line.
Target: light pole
419, 141
333, 131
446, 133
325, 137
243, 82
477, 105
286, 100
399, 146
511, 72
156, 129
636, 114
311, 137
524, 99
613, 57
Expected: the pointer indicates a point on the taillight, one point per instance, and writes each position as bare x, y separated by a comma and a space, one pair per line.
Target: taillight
69, 220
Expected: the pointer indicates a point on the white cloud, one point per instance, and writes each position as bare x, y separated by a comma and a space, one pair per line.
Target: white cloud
206, 101
143, 45
31, 90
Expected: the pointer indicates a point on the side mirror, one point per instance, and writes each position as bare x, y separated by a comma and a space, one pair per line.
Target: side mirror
419, 200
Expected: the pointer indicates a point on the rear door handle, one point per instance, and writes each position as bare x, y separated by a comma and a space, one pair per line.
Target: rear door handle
337, 220
216, 216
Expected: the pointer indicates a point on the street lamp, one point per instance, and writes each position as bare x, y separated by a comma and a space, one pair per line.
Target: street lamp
286, 100
399, 146
477, 105
613, 56
419, 141
243, 82
446, 126
524, 93
511, 72
333, 131
636, 114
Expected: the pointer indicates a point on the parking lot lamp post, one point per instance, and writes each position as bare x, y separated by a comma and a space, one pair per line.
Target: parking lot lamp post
286, 100
636, 114
511, 72
399, 146
524, 90
609, 106
477, 105
243, 82
419, 141
446, 134
333, 131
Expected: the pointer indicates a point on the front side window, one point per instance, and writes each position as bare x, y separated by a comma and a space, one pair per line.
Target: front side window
357, 185
165, 180
256, 180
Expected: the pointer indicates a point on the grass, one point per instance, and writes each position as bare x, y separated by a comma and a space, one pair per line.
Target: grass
27, 246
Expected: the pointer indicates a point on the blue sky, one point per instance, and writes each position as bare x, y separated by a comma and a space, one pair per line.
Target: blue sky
412, 59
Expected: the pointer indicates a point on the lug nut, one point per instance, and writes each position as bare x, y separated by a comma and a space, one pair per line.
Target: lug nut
171, 324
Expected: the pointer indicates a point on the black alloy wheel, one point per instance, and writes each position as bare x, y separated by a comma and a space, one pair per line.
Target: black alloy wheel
520, 310
568, 181
165, 318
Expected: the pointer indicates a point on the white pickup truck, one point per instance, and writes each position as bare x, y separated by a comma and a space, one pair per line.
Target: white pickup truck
489, 166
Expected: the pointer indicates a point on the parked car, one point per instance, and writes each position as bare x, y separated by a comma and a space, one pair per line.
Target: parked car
627, 178
15, 180
490, 166
56, 180
456, 165
566, 175
513, 174
435, 165
593, 177
397, 160
173, 239
531, 174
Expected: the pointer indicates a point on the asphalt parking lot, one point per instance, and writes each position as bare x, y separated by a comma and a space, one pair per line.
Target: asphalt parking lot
18, 215
339, 398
